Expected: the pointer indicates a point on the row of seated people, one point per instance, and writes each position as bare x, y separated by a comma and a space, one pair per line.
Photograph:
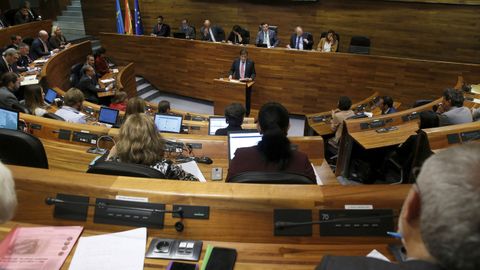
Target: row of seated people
24, 14
438, 223
266, 37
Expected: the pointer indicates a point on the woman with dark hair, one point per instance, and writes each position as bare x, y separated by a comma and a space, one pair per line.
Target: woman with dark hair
238, 35
328, 43
274, 152
34, 100
101, 63
234, 114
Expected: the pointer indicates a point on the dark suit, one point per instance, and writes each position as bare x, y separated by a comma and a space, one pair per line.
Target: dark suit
224, 131
271, 35
3, 22
4, 67
364, 263
249, 69
217, 32
243, 33
161, 31
89, 88
20, 19
22, 63
38, 50
8, 99
188, 31
306, 45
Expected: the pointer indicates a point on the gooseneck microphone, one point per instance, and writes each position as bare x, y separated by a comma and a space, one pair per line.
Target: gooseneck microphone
179, 226
287, 224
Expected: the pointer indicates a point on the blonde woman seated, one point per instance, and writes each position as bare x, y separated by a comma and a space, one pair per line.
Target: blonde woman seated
328, 43
140, 143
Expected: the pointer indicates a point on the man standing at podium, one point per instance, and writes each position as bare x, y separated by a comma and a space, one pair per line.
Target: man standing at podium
242, 68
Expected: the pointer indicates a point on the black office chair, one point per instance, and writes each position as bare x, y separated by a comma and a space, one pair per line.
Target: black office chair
22, 149
359, 45
53, 116
75, 74
270, 27
324, 34
124, 169
270, 178
10, 16
421, 102
28, 41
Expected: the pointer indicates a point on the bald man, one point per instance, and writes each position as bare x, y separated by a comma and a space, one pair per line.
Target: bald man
212, 33
41, 46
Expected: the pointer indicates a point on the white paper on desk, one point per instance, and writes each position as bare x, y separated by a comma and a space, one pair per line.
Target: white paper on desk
29, 80
115, 70
116, 251
377, 255
317, 176
475, 88
476, 100
192, 168
106, 81
40, 61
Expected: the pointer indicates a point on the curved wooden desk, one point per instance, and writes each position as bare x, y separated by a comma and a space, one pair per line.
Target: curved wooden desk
24, 30
443, 137
304, 81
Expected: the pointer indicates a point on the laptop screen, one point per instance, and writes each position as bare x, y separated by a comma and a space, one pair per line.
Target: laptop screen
108, 116
215, 123
168, 123
8, 119
240, 140
50, 96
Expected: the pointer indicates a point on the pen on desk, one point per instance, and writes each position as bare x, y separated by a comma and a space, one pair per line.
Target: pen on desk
395, 235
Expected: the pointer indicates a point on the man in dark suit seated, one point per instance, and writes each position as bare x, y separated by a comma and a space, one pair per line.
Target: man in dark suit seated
386, 105
41, 46
22, 16
15, 41
89, 86
267, 37
187, 29
234, 114
439, 221
24, 60
9, 82
210, 32
161, 29
243, 68
9, 58
300, 40
238, 35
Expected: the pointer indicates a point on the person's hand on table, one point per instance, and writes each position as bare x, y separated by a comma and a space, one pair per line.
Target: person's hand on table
230, 77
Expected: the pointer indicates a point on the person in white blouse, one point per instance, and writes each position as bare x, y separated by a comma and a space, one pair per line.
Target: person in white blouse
328, 43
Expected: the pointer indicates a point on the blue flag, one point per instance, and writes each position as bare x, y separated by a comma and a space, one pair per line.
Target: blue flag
138, 20
120, 27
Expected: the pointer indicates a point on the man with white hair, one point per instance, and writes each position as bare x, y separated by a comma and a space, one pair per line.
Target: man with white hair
9, 58
41, 46
8, 198
440, 218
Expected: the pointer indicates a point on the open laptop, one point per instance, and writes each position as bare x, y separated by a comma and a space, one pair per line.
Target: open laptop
9, 119
215, 123
108, 116
168, 123
50, 96
241, 139
179, 35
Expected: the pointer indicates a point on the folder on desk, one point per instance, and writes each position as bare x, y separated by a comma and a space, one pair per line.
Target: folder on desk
38, 247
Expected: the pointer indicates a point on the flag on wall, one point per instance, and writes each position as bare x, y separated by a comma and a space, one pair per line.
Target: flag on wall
128, 19
120, 28
138, 20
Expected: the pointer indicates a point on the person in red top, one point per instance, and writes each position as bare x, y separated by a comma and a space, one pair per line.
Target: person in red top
274, 152
101, 64
119, 101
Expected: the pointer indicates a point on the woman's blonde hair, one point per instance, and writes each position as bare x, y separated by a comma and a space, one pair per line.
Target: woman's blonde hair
8, 197
139, 141
54, 29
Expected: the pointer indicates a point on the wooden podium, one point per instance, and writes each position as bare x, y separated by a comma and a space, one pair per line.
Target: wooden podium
228, 91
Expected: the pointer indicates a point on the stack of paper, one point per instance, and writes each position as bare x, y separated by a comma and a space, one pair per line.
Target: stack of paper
107, 81
29, 80
116, 251
38, 247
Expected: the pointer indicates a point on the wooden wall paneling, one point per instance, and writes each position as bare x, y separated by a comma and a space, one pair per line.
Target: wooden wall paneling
405, 29
305, 82
24, 30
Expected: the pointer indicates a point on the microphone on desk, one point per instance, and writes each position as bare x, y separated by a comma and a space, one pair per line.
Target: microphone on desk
288, 224
179, 226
